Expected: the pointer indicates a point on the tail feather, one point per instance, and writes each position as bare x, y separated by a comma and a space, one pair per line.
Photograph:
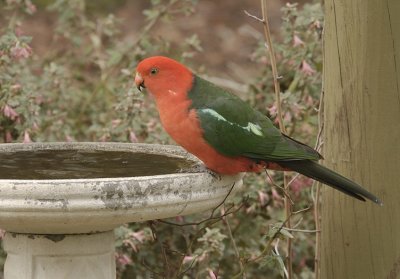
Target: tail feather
322, 174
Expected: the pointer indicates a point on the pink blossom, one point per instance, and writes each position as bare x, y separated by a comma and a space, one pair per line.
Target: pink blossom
296, 109
137, 106
275, 194
132, 137
287, 117
9, 112
306, 128
212, 274
151, 125
40, 99
300, 183
263, 197
9, 137
69, 138
115, 122
27, 137
306, 68
179, 219
188, 259
291, 62
303, 262
30, 7
16, 87
297, 41
35, 127
317, 24
272, 110
222, 210
123, 259
131, 244
139, 236
18, 31
19, 52
264, 60
250, 209
103, 138
277, 198
309, 101
201, 258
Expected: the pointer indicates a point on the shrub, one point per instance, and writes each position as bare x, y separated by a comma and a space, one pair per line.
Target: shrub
80, 89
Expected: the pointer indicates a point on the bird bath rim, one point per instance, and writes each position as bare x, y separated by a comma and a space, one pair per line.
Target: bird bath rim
155, 149
87, 205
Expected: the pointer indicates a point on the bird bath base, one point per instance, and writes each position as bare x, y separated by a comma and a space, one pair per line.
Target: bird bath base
31, 256
63, 228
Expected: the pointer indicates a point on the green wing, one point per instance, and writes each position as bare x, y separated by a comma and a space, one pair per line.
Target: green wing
234, 128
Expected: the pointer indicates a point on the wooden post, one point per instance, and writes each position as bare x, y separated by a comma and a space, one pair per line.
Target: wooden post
362, 138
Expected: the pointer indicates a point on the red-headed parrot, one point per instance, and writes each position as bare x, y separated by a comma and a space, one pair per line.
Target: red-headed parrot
224, 132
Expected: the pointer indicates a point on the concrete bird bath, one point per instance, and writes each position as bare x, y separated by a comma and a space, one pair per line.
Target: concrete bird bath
59, 202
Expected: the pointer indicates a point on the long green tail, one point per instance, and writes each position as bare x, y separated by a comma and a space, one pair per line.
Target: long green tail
322, 174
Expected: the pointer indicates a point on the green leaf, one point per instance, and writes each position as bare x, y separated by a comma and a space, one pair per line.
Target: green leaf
286, 233
151, 14
281, 265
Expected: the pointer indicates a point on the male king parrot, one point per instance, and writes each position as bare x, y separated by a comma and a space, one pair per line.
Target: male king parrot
224, 132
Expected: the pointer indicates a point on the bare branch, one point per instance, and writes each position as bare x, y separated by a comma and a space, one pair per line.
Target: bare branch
285, 193
253, 16
287, 201
228, 212
235, 247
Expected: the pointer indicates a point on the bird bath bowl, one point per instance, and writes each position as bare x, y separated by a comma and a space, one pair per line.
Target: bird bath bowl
59, 202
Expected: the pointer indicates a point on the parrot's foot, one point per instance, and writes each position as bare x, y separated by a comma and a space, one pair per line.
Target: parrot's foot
200, 168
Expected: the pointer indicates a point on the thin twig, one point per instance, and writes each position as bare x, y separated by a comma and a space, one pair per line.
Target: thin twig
165, 258
298, 223
253, 16
285, 193
235, 247
209, 224
275, 252
265, 250
300, 230
223, 201
218, 218
272, 58
153, 21
293, 179
151, 270
180, 274
317, 202
288, 206
212, 213
296, 230
301, 210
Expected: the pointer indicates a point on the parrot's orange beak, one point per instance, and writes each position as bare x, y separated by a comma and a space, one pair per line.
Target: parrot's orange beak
139, 81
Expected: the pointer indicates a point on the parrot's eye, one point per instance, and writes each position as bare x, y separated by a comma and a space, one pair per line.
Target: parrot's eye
153, 71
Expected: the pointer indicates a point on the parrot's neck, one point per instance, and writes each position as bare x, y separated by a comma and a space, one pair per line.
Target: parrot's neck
174, 113
173, 105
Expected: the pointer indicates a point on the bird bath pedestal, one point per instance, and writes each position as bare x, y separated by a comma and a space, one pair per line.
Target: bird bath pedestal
59, 212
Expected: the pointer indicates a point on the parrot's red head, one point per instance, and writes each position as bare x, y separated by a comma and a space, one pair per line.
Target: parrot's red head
163, 77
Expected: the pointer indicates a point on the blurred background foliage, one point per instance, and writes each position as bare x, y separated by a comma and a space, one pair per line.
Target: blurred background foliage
66, 74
